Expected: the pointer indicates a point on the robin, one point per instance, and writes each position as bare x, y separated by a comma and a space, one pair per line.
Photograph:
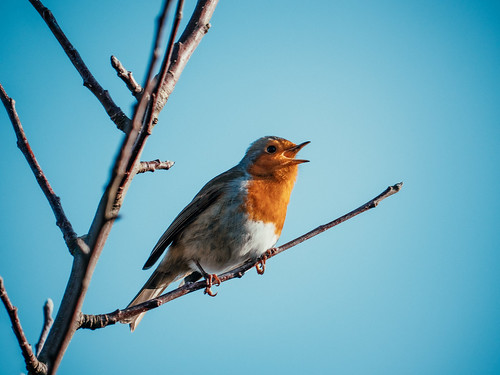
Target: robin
236, 216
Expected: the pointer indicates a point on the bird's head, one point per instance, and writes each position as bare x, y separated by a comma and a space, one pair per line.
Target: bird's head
272, 156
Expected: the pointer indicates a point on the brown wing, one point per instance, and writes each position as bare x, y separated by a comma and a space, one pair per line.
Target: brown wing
207, 195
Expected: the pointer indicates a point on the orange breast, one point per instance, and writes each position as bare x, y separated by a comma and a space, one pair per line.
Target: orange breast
267, 198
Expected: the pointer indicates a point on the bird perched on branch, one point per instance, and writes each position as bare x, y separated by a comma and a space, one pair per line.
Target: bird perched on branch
236, 216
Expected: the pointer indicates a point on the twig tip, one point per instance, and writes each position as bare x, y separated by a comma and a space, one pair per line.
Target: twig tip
49, 304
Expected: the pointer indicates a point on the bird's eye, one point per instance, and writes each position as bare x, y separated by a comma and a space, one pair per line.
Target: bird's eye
271, 149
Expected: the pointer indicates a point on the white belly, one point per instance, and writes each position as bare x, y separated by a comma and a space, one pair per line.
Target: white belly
221, 239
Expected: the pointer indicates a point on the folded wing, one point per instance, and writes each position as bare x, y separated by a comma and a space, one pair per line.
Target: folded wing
207, 195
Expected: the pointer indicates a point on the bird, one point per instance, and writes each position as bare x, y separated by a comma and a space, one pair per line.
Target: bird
237, 216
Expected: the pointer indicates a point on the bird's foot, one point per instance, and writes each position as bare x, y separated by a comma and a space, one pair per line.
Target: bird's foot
211, 279
260, 266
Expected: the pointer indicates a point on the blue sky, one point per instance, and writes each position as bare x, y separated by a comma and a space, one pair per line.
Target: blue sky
385, 91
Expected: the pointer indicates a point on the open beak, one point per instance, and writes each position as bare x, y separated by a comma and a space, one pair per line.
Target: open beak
292, 151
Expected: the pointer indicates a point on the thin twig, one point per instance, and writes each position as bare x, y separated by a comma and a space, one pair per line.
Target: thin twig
154, 165
103, 320
170, 47
33, 365
142, 121
155, 55
114, 112
367, 206
127, 77
48, 307
70, 237
134, 142
196, 29
150, 119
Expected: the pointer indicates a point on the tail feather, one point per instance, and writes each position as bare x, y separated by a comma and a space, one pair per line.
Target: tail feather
155, 286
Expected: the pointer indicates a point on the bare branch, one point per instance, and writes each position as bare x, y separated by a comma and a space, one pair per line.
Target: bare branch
169, 50
48, 307
152, 166
67, 319
127, 77
103, 320
155, 55
33, 365
194, 32
70, 237
114, 112
150, 119
142, 123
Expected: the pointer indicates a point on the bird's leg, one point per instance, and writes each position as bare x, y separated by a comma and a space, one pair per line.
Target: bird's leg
260, 266
192, 277
211, 279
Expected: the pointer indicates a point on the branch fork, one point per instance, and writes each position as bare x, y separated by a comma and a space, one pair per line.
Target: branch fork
33, 365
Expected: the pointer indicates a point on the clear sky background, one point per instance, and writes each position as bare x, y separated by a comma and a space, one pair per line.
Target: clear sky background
385, 91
